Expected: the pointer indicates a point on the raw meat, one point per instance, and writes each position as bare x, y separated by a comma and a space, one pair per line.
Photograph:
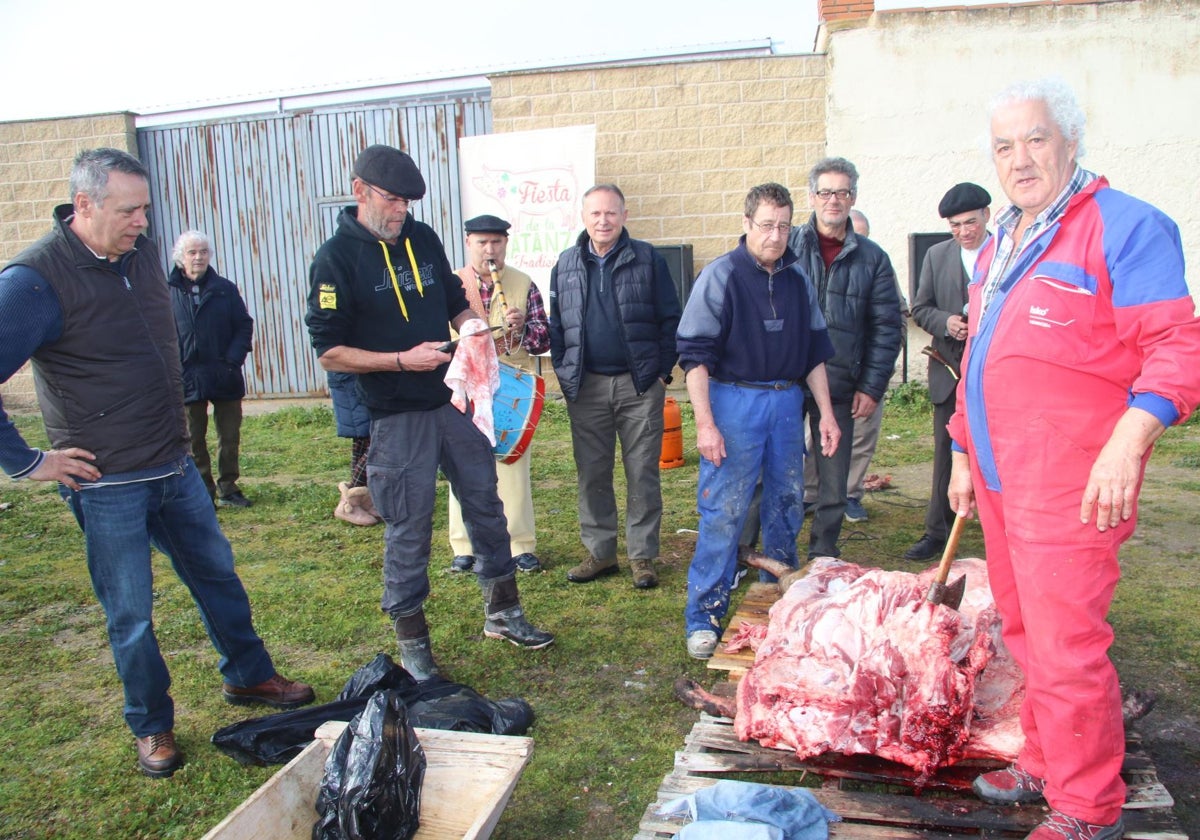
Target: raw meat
474, 376
855, 660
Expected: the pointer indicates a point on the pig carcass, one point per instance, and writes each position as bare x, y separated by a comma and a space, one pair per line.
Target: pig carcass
856, 660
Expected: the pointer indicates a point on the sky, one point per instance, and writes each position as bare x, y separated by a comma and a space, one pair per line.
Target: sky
75, 57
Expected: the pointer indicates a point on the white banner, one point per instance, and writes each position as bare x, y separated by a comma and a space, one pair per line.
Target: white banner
534, 180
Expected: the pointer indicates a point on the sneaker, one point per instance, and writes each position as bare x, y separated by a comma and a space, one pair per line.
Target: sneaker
158, 757
855, 512
1059, 826
591, 568
644, 576
701, 644
527, 562
278, 691
741, 572
1010, 786
235, 499
462, 563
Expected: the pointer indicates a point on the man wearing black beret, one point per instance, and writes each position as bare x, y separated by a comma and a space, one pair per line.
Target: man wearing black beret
939, 308
381, 302
504, 297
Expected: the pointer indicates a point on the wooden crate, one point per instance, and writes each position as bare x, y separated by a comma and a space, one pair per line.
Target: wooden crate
469, 778
875, 798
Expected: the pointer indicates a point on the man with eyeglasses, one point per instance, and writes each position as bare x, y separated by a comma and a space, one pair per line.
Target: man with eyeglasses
215, 335
857, 293
1081, 351
939, 307
751, 336
381, 304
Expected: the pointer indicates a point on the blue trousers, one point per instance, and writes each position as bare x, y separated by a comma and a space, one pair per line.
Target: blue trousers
174, 514
402, 465
764, 435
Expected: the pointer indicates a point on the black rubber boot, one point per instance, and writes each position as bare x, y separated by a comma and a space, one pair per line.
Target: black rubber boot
504, 618
416, 654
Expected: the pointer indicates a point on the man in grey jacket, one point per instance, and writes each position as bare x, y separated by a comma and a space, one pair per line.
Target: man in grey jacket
856, 289
939, 307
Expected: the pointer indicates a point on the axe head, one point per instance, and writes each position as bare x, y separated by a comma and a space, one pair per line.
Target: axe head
949, 595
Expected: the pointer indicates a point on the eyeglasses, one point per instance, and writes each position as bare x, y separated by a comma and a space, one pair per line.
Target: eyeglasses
768, 227
392, 199
825, 195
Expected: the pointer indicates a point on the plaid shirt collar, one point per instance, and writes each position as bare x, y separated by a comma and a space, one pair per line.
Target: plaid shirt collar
1008, 248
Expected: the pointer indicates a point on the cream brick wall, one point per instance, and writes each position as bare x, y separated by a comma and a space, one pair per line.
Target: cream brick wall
35, 164
684, 141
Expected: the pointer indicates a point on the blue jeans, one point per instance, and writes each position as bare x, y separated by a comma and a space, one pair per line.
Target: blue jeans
764, 435
120, 522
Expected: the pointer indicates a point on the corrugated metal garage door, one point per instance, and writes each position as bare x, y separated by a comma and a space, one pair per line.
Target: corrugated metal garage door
267, 190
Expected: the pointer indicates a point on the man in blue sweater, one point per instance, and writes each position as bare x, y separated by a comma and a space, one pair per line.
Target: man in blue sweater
751, 334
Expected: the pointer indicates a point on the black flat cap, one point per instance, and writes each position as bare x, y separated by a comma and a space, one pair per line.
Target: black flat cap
963, 198
486, 224
390, 169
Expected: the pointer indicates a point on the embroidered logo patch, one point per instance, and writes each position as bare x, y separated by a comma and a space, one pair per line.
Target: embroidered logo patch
327, 296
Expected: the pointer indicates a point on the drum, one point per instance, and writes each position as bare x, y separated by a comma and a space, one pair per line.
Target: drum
516, 409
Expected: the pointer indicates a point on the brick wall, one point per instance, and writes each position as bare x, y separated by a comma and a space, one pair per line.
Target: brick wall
685, 141
35, 163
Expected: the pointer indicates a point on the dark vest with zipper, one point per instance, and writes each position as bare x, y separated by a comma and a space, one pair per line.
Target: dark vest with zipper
111, 382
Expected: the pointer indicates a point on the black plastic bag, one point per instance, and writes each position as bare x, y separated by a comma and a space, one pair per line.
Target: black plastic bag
371, 789
434, 704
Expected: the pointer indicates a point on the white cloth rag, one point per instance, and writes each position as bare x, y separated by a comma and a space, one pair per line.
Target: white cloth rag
474, 375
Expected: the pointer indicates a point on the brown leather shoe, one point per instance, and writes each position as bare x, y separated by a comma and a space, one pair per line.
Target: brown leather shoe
644, 576
591, 568
278, 691
158, 757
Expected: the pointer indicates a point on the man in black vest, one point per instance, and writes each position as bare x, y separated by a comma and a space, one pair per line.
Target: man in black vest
613, 314
89, 304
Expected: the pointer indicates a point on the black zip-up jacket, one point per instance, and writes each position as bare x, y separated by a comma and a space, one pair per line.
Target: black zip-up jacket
214, 337
352, 302
861, 304
646, 302
111, 382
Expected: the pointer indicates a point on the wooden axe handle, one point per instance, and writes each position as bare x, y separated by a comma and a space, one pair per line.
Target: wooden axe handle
943, 571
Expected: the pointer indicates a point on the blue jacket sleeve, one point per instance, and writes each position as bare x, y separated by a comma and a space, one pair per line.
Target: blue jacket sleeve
30, 316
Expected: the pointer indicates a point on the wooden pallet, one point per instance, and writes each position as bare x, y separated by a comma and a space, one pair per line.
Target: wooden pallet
875, 798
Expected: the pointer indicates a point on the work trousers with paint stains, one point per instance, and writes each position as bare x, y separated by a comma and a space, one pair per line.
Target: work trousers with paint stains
764, 435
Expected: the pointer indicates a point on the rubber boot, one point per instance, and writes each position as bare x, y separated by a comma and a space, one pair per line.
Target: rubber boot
416, 653
504, 618
350, 507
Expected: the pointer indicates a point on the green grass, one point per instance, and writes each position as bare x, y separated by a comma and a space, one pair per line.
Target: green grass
607, 723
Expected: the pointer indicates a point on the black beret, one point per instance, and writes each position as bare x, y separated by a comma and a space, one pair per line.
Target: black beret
963, 198
390, 169
486, 224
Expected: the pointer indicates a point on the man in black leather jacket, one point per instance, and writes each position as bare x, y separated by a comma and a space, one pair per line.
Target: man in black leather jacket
856, 289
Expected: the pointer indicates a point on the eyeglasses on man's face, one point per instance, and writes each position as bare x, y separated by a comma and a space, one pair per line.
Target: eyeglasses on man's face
769, 227
825, 195
392, 200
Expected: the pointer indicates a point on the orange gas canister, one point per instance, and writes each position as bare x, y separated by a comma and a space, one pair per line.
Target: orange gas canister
672, 442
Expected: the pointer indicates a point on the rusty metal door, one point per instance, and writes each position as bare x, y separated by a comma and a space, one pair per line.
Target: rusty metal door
267, 191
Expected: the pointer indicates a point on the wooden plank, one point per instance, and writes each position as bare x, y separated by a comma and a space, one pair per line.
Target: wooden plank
469, 778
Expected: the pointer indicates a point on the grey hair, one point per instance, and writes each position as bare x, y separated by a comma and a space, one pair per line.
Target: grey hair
181, 243
833, 164
860, 216
609, 188
769, 193
1060, 101
89, 174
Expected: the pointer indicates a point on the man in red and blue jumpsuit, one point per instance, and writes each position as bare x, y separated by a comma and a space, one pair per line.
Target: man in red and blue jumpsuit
1082, 350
